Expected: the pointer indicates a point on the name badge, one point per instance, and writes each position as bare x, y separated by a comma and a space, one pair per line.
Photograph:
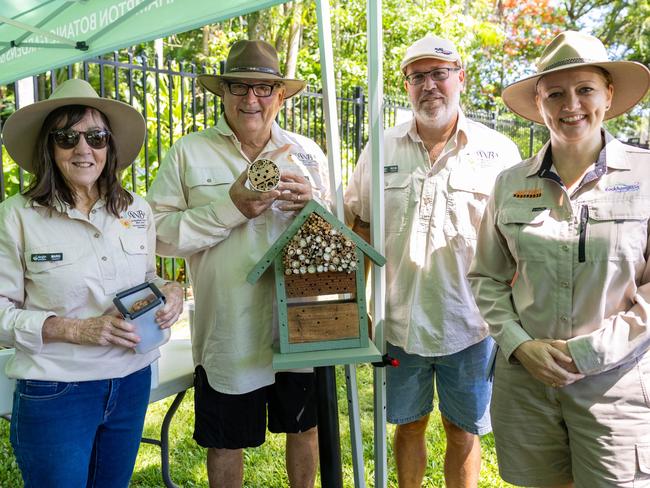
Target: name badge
42, 258
391, 169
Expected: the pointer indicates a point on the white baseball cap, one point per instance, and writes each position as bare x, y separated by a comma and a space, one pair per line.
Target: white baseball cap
431, 47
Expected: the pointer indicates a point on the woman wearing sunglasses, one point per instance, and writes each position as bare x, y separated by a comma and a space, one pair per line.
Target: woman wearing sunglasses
68, 244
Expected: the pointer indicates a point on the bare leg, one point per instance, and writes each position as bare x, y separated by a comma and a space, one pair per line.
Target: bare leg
462, 458
302, 458
225, 468
411, 452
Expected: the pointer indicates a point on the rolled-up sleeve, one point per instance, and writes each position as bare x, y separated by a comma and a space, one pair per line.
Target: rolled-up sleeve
491, 273
18, 328
621, 337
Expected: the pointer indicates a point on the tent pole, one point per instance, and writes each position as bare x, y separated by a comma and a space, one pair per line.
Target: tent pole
336, 193
376, 113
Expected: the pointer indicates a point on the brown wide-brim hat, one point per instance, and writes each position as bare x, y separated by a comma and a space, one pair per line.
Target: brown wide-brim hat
252, 60
22, 128
570, 49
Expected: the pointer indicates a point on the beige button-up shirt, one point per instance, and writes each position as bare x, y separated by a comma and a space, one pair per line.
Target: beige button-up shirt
433, 210
232, 335
581, 259
61, 262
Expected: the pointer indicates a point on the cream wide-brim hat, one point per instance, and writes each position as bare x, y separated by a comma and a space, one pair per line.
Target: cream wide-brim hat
22, 128
570, 49
256, 60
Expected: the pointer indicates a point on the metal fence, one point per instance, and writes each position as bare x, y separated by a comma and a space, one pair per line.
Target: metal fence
173, 105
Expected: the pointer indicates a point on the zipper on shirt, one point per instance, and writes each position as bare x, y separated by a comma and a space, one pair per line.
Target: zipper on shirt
582, 242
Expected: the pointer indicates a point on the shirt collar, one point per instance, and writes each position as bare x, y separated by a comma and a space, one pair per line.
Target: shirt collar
60, 206
611, 155
279, 137
458, 139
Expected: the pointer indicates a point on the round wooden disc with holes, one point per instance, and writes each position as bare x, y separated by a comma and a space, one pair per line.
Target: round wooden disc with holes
264, 175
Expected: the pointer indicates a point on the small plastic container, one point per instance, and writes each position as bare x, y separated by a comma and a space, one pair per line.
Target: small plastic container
144, 319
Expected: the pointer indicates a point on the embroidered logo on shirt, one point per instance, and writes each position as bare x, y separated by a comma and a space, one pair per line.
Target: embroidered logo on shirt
623, 188
305, 158
134, 218
533, 193
486, 155
391, 169
52, 257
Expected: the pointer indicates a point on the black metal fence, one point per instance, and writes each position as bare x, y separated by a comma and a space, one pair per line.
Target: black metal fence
173, 104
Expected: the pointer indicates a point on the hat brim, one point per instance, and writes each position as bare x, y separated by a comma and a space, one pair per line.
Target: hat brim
413, 59
212, 83
631, 81
22, 128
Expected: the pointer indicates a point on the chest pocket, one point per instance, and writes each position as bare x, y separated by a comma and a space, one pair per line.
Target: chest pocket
52, 284
135, 252
398, 188
618, 231
205, 184
529, 233
468, 195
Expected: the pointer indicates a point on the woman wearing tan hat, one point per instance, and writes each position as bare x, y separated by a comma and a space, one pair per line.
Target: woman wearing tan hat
562, 276
69, 243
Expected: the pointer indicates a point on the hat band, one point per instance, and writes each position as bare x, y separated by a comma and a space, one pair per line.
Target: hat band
255, 69
571, 61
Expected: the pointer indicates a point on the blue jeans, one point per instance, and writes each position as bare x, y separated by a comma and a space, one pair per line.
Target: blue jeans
461, 380
79, 435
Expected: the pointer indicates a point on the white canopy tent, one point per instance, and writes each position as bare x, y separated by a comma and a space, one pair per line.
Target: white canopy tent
38, 35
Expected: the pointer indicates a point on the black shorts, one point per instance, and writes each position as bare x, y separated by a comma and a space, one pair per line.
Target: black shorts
225, 421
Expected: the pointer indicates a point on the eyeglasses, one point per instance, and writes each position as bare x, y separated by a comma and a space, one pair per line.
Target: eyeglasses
69, 138
438, 74
261, 90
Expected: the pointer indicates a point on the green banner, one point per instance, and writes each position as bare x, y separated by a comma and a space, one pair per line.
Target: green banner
38, 35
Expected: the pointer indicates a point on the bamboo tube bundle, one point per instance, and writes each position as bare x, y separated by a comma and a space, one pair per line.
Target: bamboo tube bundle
317, 247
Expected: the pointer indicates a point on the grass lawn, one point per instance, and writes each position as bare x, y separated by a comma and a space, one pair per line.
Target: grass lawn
264, 466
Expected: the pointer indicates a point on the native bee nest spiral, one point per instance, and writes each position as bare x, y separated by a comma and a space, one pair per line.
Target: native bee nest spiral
317, 247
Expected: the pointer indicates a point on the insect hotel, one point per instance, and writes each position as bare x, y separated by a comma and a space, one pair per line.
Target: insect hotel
320, 283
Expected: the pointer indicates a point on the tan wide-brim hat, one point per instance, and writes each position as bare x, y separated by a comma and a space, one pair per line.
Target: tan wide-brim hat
22, 128
570, 49
253, 60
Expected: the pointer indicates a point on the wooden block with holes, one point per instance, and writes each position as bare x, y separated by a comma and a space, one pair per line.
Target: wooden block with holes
322, 322
320, 283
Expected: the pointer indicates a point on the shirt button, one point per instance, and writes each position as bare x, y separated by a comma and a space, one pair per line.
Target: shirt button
564, 318
96, 234
209, 180
565, 247
141, 247
564, 284
93, 211
104, 258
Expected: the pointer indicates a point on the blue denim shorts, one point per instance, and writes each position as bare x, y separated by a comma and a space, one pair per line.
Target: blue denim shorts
462, 383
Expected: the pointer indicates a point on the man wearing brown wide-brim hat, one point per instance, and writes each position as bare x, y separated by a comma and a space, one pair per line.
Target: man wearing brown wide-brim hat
208, 212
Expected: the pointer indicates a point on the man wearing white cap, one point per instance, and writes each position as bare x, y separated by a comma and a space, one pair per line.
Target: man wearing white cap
439, 171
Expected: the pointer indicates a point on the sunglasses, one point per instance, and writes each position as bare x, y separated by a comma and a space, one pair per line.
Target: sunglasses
69, 138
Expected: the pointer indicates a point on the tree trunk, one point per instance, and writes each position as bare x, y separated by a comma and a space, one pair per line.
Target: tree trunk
293, 41
253, 20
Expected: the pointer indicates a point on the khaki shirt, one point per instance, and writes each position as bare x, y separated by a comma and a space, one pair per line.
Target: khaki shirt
581, 259
232, 335
69, 265
433, 210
